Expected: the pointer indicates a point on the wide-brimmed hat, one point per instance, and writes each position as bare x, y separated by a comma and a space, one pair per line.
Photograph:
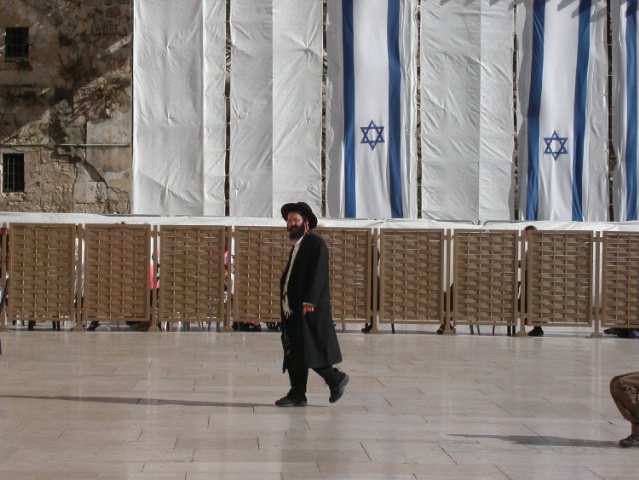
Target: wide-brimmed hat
303, 209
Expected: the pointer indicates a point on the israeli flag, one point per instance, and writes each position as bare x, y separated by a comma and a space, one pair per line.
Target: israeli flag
370, 107
562, 94
624, 123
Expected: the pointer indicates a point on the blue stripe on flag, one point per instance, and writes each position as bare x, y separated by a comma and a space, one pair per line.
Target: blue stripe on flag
394, 111
350, 200
534, 106
631, 120
581, 94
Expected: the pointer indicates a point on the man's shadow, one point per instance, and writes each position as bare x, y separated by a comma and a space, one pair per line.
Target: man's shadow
545, 441
141, 401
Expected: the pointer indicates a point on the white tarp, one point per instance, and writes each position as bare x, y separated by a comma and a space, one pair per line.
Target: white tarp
371, 166
466, 110
624, 116
179, 113
274, 147
276, 101
562, 87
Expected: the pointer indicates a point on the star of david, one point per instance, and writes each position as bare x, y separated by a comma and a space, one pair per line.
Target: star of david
378, 139
561, 141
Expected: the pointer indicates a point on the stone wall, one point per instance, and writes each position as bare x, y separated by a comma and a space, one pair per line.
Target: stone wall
68, 107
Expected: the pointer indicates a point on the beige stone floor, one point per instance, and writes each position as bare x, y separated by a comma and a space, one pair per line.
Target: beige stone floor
196, 405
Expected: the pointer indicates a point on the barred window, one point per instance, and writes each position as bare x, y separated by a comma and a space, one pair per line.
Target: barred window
12, 172
16, 42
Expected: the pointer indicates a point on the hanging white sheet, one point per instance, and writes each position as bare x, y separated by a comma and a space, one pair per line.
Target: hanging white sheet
276, 101
179, 132
466, 110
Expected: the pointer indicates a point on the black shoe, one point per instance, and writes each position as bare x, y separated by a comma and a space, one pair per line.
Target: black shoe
93, 326
536, 332
338, 391
291, 402
442, 328
631, 441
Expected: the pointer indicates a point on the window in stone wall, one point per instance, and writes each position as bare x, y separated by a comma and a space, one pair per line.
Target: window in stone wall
12, 172
16, 43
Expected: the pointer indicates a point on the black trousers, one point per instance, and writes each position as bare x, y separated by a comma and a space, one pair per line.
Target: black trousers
298, 378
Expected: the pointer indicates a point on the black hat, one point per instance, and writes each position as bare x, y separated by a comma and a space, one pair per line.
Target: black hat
303, 209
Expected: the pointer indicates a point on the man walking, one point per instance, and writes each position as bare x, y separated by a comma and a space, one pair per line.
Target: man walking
308, 332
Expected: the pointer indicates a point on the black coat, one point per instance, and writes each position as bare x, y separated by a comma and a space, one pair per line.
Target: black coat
312, 340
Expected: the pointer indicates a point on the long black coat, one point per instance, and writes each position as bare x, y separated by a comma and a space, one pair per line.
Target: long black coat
312, 340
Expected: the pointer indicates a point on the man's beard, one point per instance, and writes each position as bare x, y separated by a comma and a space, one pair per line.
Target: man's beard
295, 232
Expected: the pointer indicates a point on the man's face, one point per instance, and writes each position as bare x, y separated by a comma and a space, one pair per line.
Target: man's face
295, 225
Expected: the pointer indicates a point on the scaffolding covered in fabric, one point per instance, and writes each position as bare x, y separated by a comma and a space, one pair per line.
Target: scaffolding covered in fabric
379, 109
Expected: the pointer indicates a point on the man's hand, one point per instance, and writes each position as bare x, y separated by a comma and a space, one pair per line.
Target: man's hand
308, 308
